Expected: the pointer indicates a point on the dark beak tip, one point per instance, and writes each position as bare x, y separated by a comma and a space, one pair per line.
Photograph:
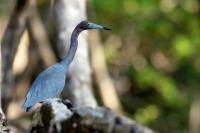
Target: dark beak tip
106, 28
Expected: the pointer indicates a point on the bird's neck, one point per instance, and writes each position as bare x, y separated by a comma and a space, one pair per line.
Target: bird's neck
73, 47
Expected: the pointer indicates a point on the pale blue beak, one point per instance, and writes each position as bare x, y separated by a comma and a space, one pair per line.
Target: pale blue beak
96, 26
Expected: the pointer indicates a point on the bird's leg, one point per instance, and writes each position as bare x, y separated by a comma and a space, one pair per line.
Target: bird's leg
68, 104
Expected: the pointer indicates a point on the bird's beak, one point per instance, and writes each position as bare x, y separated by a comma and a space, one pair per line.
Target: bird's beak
96, 26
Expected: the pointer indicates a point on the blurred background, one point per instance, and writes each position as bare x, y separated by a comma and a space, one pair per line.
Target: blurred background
152, 57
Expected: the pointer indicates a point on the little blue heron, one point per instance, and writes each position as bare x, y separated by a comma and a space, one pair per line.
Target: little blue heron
51, 81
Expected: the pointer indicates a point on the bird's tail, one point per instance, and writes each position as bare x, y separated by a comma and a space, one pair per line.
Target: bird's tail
26, 107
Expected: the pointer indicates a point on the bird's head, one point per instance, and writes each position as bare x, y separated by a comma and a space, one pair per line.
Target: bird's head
85, 25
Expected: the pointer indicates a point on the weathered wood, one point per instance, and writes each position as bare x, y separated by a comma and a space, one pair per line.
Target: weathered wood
3, 124
60, 116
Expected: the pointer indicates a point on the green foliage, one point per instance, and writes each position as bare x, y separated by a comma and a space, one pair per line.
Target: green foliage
183, 47
165, 85
2, 10
162, 88
147, 114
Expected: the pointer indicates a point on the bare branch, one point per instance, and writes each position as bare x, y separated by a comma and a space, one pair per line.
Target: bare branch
106, 86
58, 116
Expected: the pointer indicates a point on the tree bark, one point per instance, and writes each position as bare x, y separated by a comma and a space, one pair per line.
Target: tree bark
40, 36
106, 86
1, 111
78, 87
3, 126
10, 41
194, 116
60, 116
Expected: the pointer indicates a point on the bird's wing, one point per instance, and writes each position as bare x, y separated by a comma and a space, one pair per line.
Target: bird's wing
48, 84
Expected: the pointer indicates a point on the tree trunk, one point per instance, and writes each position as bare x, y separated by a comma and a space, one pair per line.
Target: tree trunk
78, 87
40, 36
10, 41
106, 86
3, 126
194, 116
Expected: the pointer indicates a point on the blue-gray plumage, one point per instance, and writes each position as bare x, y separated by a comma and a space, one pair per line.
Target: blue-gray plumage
51, 81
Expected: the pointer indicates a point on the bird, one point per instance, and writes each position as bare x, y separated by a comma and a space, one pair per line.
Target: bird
50, 82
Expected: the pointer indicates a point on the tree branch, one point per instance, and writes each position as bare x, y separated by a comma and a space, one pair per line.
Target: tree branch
60, 116
104, 82
40, 36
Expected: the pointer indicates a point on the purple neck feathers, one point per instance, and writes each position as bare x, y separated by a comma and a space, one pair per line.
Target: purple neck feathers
73, 46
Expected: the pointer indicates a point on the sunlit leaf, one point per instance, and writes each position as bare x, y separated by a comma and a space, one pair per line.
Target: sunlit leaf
183, 46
